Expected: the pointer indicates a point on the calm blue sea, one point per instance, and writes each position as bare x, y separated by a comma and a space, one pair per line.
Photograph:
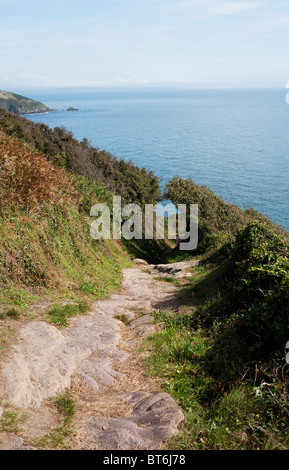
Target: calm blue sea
236, 142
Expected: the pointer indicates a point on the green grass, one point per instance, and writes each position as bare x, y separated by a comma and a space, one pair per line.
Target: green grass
203, 284
56, 257
122, 317
178, 255
57, 437
16, 296
60, 314
11, 421
19, 100
10, 313
235, 416
4, 94
170, 279
66, 407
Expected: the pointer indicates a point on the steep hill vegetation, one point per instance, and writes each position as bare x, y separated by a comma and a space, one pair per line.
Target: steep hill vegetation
45, 242
64, 151
219, 221
48, 183
224, 357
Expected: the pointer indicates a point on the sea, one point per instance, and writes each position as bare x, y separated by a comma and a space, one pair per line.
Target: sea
235, 142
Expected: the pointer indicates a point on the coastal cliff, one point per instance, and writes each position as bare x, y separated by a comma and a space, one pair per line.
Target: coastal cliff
18, 104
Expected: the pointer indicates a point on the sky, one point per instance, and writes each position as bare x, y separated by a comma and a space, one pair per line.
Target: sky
144, 43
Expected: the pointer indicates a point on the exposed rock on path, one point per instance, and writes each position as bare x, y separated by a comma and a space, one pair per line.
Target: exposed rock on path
96, 356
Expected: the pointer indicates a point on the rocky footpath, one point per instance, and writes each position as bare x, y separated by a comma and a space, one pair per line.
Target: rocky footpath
97, 358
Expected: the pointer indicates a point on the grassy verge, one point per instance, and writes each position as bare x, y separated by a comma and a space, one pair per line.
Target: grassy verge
224, 361
242, 415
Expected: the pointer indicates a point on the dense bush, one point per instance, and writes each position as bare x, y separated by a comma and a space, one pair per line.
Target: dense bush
257, 277
45, 240
219, 221
123, 178
45, 222
244, 300
244, 288
27, 179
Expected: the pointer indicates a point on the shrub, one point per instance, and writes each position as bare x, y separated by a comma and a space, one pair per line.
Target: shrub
257, 273
27, 179
249, 298
219, 221
123, 178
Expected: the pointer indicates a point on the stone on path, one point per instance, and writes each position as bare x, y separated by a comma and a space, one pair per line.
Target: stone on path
143, 326
154, 418
42, 362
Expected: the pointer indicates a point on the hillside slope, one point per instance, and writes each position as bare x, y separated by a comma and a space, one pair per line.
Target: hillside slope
18, 104
123, 178
220, 347
45, 242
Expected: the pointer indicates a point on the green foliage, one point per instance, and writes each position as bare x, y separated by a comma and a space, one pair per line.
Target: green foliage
122, 317
232, 416
234, 393
91, 193
243, 301
219, 221
176, 255
56, 438
149, 250
10, 313
59, 314
11, 421
257, 273
45, 240
66, 406
119, 177
245, 289
170, 279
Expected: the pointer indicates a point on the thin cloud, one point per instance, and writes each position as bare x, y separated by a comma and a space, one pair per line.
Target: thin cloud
233, 8
211, 7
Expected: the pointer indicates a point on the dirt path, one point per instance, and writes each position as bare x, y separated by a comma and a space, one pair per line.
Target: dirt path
97, 358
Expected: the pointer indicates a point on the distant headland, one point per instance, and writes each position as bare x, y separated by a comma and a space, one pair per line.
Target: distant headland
18, 104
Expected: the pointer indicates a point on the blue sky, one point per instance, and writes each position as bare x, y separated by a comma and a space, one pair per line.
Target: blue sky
125, 43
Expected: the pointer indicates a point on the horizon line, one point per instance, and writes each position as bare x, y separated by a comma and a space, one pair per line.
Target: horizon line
142, 88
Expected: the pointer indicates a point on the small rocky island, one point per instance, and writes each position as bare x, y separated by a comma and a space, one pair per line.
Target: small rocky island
18, 104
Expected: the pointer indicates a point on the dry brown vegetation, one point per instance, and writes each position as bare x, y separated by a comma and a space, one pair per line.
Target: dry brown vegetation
28, 178
134, 184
